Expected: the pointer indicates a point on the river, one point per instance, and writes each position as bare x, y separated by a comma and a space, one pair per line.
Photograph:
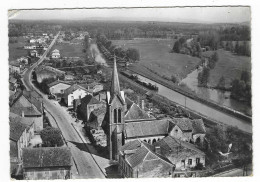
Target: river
210, 112
218, 96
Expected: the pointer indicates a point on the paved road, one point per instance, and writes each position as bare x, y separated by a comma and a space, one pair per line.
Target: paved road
231, 173
86, 166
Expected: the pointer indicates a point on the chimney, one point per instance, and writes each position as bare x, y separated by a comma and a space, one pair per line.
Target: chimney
142, 105
158, 149
22, 113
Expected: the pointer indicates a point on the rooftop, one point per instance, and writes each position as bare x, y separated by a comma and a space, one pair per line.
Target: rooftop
16, 129
46, 157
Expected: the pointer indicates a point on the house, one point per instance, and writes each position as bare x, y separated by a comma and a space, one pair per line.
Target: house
32, 41
69, 77
57, 88
15, 67
55, 54
96, 118
140, 160
23, 60
96, 87
33, 53
87, 105
184, 155
46, 163
74, 92
13, 81
30, 46
20, 136
29, 105
188, 130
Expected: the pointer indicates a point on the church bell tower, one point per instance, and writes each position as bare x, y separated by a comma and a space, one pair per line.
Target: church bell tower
115, 113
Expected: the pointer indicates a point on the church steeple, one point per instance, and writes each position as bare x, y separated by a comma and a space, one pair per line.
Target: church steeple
115, 87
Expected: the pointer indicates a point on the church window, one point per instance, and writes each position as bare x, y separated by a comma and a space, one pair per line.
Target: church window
119, 115
115, 116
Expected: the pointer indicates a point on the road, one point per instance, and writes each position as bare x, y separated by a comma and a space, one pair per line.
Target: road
232, 173
85, 164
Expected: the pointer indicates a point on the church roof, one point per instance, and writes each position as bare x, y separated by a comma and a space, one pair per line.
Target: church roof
115, 87
144, 128
135, 113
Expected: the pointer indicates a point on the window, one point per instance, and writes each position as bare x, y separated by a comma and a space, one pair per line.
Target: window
119, 115
197, 160
176, 130
115, 116
190, 161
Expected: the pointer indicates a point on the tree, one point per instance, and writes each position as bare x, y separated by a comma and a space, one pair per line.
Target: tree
133, 54
51, 137
245, 76
221, 82
177, 46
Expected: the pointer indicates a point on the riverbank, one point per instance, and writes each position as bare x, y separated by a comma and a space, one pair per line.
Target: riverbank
195, 97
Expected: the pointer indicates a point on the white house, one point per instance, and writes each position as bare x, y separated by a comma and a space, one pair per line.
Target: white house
34, 53
55, 54
58, 87
74, 92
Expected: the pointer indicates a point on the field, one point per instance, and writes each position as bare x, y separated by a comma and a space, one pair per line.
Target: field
155, 58
70, 50
16, 49
230, 66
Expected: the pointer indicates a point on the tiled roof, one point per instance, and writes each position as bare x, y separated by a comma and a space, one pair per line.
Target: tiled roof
16, 130
186, 124
100, 110
72, 88
57, 82
12, 80
46, 157
135, 113
146, 128
198, 126
140, 152
183, 123
170, 145
24, 120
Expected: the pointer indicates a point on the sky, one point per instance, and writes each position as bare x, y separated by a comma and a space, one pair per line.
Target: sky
177, 14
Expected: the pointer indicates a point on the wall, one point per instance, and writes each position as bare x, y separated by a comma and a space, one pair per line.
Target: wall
56, 89
176, 132
149, 140
47, 173
76, 94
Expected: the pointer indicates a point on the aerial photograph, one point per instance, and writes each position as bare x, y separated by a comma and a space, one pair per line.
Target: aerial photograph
130, 93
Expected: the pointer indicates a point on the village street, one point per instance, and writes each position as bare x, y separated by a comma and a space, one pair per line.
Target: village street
86, 166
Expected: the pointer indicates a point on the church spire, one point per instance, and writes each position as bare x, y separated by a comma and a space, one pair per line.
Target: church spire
115, 87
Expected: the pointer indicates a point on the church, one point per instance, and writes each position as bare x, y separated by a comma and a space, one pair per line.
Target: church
125, 121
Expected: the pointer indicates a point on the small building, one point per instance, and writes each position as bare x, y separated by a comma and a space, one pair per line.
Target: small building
140, 160
26, 104
57, 88
87, 105
96, 118
32, 41
184, 155
55, 54
69, 77
20, 136
23, 60
15, 67
30, 46
46, 163
188, 130
33, 53
74, 92
95, 87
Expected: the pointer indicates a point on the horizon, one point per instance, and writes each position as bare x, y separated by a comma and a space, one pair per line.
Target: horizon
206, 15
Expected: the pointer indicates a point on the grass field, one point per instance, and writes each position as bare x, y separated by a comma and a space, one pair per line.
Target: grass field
70, 50
156, 57
230, 66
16, 49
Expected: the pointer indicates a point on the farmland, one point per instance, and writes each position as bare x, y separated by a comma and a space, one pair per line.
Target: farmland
156, 59
16, 49
70, 50
230, 66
